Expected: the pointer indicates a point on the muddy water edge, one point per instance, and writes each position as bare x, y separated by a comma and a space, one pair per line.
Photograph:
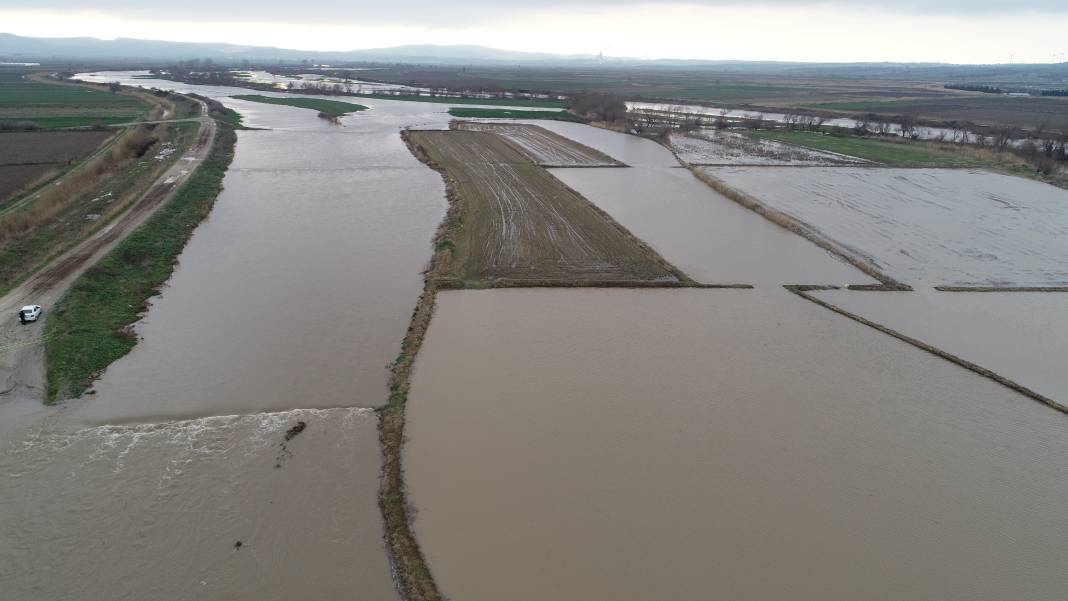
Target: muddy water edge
169, 481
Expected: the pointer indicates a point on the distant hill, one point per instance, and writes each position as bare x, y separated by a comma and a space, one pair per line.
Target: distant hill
134, 52
18, 48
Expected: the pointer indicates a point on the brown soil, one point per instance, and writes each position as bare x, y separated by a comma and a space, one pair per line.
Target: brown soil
516, 221
15, 178
544, 147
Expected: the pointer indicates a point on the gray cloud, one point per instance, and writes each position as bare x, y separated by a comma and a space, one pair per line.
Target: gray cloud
437, 13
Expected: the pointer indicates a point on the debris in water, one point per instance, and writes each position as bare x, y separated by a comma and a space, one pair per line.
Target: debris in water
238, 544
297, 429
290, 435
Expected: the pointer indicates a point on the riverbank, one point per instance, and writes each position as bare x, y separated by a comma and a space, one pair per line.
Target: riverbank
89, 328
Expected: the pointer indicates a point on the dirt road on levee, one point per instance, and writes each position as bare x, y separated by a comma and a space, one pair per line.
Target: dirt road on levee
22, 346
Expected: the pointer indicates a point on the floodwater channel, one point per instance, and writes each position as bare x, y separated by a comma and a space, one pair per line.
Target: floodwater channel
232, 454
737, 444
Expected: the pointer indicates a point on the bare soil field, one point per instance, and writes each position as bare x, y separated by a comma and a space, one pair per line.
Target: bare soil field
713, 147
22, 148
16, 177
925, 226
519, 223
546, 148
25, 157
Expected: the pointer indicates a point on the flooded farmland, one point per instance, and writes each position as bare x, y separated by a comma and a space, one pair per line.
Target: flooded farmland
1019, 335
717, 147
927, 226
684, 444
708, 236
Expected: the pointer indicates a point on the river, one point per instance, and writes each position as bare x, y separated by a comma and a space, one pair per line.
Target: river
175, 479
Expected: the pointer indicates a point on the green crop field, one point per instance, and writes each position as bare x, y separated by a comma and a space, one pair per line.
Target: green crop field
881, 151
55, 105
334, 108
464, 113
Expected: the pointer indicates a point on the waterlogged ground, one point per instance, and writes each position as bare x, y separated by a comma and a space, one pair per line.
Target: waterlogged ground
716, 147
690, 444
927, 226
156, 511
711, 238
1019, 335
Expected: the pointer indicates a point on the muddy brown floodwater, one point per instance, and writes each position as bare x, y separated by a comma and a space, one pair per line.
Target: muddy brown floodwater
1019, 335
155, 511
711, 238
176, 479
297, 289
734, 444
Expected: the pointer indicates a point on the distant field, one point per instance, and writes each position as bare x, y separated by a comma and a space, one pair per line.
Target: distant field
334, 108
886, 90
62, 105
518, 222
986, 109
512, 114
880, 151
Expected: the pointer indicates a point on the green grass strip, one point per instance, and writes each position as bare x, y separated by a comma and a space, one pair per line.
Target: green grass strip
513, 114
897, 154
89, 327
334, 108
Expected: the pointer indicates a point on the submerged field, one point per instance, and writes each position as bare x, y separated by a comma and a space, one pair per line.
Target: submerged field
546, 148
929, 226
1019, 335
517, 222
717, 147
692, 444
895, 154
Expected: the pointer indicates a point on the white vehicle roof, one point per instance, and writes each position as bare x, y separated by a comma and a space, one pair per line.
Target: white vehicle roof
29, 307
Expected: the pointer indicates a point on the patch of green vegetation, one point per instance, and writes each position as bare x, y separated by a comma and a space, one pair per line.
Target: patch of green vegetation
526, 102
89, 328
57, 105
513, 114
334, 108
897, 154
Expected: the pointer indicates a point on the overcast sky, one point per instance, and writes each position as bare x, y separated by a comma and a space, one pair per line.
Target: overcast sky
961, 31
